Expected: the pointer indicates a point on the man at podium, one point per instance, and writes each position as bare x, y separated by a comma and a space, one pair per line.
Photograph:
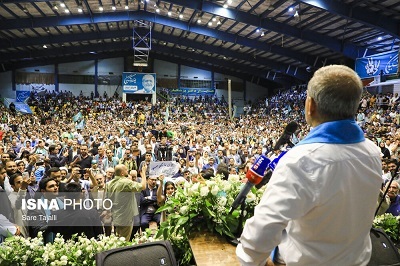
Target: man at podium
319, 205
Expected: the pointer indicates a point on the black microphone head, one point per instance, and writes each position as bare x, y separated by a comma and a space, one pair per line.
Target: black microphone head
291, 127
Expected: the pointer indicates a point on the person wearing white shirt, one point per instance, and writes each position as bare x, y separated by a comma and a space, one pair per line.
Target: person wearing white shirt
309, 209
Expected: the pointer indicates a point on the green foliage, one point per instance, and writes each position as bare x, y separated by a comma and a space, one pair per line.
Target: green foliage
389, 223
204, 206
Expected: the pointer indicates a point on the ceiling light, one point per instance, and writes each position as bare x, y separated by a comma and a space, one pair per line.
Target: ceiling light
291, 9
25, 9
55, 7
169, 13
80, 9
379, 38
225, 5
257, 30
157, 10
219, 22
214, 19
101, 8
62, 4
126, 7
199, 20
66, 11
44, 46
296, 14
180, 15
262, 33
210, 23
47, 30
114, 8
229, 2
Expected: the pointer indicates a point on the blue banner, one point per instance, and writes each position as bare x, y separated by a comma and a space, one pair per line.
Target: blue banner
22, 96
77, 117
370, 66
193, 91
138, 83
20, 107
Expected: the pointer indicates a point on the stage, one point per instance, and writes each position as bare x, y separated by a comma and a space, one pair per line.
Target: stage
210, 249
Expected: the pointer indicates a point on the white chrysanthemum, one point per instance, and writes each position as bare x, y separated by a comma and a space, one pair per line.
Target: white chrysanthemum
233, 178
78, 253
64, 258
227, 186
204, 191
210, 183
250, 197
183, 210
222, 201
215, 190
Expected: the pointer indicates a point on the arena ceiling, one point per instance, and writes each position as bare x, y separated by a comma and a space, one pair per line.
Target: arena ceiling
260, 40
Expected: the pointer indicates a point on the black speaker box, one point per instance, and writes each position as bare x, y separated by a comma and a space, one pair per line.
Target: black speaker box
384, 252
159, 253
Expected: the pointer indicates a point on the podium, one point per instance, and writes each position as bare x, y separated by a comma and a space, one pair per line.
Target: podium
210, 249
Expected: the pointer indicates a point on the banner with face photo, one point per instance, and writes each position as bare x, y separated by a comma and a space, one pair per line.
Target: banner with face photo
138, 83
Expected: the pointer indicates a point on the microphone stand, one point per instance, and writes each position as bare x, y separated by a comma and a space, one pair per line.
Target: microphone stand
235, 241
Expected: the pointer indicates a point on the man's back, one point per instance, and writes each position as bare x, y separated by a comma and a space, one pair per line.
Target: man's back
330, 224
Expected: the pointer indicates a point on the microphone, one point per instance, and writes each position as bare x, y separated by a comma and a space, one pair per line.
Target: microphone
271, 169
287, 133
254, 176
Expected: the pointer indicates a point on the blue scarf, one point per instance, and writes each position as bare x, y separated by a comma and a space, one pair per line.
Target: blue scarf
335, 132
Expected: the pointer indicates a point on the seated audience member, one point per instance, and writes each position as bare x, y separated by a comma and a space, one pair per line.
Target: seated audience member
393, 193
19, 184
7, 226
76, 219
49, 190
148, 204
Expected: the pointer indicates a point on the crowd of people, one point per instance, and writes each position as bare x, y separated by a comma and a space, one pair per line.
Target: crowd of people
107, 145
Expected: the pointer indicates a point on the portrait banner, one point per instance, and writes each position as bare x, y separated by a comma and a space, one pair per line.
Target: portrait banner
138, 83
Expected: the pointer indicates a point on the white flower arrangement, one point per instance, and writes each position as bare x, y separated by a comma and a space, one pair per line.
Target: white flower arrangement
204, 206
77, 251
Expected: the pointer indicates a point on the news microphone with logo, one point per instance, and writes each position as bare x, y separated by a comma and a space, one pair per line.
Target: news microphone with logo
271, 169
254, 176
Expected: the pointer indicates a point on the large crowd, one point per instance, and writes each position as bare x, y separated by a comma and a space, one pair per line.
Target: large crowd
79, 143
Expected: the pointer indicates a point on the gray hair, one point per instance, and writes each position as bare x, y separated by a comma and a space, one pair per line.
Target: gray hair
336, 90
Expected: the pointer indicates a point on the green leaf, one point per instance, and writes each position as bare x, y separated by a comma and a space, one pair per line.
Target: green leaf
162, 208
182, 220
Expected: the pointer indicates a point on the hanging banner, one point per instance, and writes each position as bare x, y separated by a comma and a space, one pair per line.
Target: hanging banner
193, 91
138, 83
370, 66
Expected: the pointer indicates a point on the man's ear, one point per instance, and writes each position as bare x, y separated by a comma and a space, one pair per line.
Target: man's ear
311, 106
